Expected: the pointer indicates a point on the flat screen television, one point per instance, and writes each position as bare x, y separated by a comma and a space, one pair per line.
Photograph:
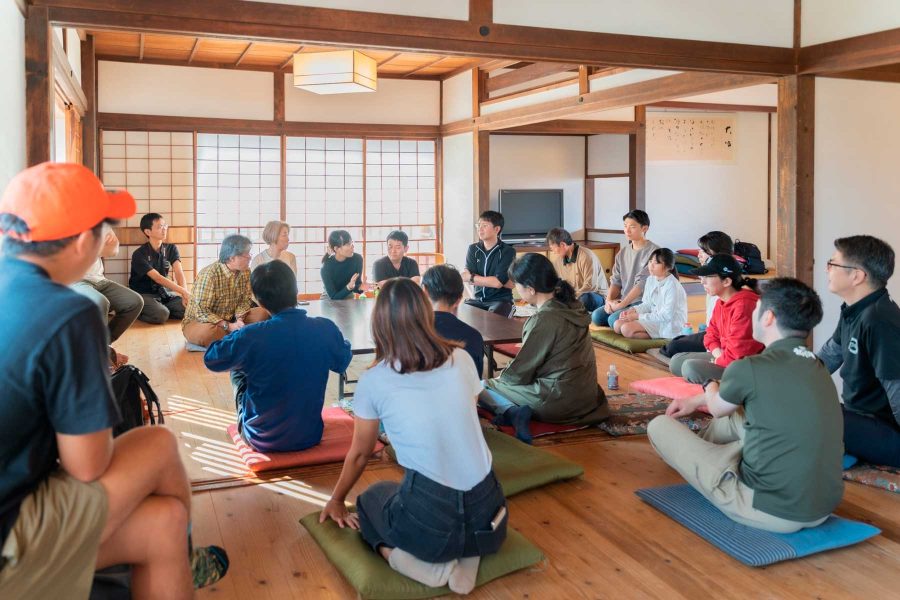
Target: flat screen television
529, 214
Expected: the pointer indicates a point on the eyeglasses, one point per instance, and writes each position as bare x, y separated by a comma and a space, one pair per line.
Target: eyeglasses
831, 264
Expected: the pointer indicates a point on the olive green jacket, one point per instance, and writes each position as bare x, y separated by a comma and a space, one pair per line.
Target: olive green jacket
555, 372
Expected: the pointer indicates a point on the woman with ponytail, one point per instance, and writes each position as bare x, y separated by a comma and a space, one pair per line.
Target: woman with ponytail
554, 376
663, 309
729, 335
342, 268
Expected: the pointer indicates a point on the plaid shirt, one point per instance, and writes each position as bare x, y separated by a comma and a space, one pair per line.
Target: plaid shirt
219, 294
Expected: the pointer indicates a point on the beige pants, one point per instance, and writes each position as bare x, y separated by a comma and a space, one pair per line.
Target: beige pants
710, 463
204, 334
51, 551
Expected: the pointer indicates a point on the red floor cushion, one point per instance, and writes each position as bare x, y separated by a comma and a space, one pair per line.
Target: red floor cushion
510, 350
335, 444
538, 428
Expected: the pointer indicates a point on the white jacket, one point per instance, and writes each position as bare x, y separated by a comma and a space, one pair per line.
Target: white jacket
664, 304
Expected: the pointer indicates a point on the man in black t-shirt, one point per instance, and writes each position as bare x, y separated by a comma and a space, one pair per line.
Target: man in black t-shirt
396, 263
72, 499
487, 266
866, 348
150, 265
444, 287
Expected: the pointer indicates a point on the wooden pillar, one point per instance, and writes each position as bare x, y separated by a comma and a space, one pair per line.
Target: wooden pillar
637, 161
38, 86
796, 137
589, 215
89, 131
481, 155
279, 98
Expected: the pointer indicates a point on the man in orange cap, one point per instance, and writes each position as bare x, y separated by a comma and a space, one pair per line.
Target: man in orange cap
104, 503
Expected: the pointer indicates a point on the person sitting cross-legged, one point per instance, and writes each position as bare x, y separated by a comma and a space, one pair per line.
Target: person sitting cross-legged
279, 402
771, 457
222, 298
663, 307
444, 286
554, 375
150, 265
579, 266
72, 498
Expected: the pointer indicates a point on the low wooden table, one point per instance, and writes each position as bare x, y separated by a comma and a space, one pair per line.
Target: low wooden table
353, 318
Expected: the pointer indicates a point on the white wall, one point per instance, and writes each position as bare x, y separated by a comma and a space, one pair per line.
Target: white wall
828, 20
459, 200
438, 9
685, 199
457, 97
184, 91
766, 22
12, 100
541, 162
607, 154
398, 101
857, 186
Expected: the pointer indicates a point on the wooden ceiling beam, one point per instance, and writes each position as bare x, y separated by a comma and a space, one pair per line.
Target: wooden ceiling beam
886, 74
290, 59
385, 61
860, 52
526, 74
243, 54
141, 47
475, 62
574, 127
425, 66
500, 63
194, 50
634, 94
311, 25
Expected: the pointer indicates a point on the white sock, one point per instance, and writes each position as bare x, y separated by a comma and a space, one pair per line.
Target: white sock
462, 577
431, 574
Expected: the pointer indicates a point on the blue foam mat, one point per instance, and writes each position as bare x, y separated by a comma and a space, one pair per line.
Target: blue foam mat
753, 547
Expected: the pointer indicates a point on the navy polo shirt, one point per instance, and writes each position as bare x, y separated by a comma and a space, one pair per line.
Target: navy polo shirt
491, 263
146, 259
451, 327
286, 360
55, 373
868, 334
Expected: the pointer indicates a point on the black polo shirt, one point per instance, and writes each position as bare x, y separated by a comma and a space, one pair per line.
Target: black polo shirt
452, 328
491, 263
868, 334
55, 374
383, 268
146, 259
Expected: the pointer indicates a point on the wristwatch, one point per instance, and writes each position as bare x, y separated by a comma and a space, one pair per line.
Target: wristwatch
471, 278
225, 325
706, 383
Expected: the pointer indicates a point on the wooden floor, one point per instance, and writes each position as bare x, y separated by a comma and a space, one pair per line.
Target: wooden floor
600, 540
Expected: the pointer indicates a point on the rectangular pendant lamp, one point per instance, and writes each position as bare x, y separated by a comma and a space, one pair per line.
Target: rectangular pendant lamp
338, 72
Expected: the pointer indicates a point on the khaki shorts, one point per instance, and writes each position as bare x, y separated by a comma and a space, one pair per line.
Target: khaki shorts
51, 551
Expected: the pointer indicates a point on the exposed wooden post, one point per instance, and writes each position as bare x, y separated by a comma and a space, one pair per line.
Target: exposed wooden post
38, 86
796, 137
481, 12
637, 161
584, 85
279, 97
89, 121
481, 140
589, 184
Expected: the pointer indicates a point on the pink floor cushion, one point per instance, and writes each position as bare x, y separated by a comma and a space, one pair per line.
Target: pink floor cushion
886, 478
672, 387
538, 428
333, 448
510, 350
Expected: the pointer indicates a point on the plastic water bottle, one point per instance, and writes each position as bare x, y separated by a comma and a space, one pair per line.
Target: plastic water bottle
701, 328
687, 329
612, 378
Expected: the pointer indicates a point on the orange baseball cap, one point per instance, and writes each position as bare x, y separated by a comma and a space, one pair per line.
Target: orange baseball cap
59, 200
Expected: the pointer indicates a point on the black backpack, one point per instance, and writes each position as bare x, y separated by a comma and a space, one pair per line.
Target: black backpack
129, 383
750, 253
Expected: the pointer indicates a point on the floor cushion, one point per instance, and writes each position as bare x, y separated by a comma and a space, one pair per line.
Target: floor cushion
629, 414
335, 444
510, 350
886, 478
674, 388
371, 576
520, 467
194, 347
751, 546
611, 338
538, 428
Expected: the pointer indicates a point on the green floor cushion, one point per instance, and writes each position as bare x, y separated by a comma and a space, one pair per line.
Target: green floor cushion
611, 338
521, 467
371, 576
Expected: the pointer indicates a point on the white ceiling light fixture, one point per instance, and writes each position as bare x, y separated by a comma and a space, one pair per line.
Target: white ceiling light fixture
338, 72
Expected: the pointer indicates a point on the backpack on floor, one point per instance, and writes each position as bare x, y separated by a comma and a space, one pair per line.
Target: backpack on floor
750, 253
129, 385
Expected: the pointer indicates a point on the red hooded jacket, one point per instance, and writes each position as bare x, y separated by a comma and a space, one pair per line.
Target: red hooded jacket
731, 328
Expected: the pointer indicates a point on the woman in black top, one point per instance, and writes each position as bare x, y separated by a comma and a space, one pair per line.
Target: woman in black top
342, 268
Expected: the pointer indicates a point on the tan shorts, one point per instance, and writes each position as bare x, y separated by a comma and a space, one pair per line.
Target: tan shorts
51, 551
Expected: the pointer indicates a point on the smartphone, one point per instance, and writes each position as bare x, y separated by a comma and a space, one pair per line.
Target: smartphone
498, 518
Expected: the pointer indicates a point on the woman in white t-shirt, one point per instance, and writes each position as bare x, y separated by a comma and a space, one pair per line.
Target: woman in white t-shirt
663, 308
277, 234
449, 510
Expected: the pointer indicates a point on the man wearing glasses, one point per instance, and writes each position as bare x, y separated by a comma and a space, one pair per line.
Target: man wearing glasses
866, 348
222, 299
